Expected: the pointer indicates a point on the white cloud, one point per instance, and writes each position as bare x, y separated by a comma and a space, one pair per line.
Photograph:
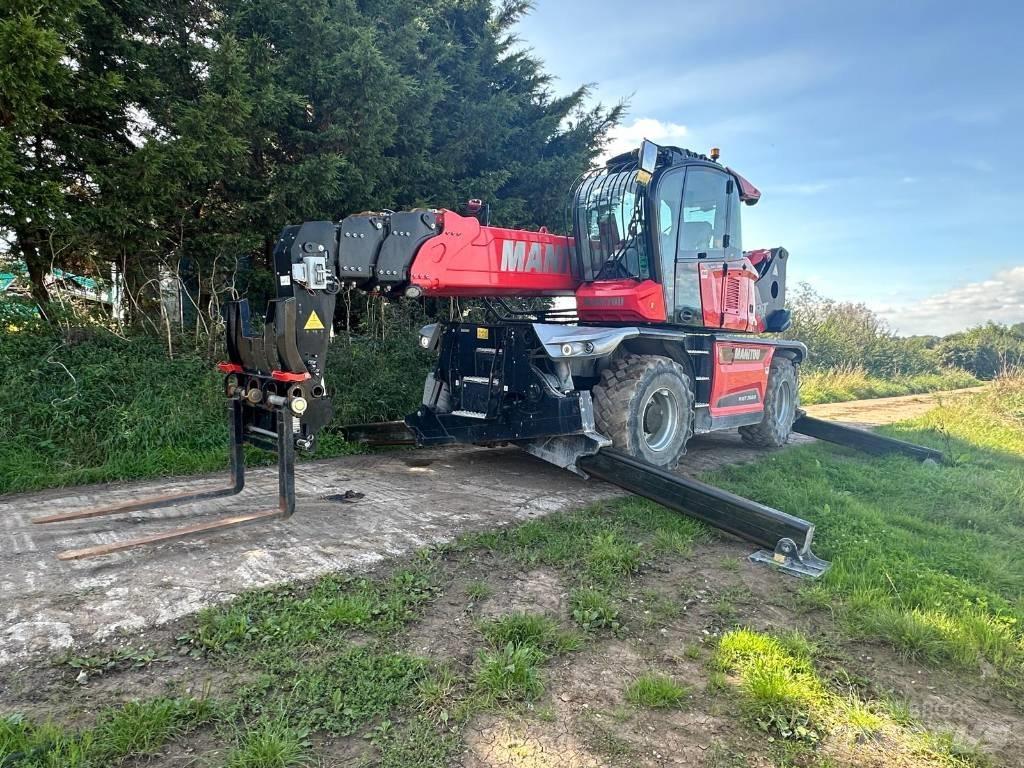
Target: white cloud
625, 137
999, 299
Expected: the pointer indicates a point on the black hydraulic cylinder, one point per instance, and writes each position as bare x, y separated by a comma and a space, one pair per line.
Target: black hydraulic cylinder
862, 440
726, 511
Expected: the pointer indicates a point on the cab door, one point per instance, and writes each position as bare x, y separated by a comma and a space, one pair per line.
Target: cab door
709, 247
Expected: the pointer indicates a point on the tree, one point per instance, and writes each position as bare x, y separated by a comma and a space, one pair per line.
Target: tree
64, 72
178, 137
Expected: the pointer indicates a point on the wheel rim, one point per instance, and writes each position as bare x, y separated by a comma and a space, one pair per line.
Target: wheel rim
660, 419
785, 405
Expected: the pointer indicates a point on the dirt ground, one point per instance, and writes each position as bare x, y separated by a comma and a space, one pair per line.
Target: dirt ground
583, 719
411, 500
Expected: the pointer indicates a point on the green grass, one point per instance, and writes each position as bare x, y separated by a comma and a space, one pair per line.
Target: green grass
478, 590
925, 559
853, 383
780, 690
136, 728
783, 694
656, 691
263, 620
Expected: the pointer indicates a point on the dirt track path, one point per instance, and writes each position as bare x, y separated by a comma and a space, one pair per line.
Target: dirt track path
412, 500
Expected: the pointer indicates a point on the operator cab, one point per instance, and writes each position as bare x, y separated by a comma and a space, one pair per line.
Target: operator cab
672, 217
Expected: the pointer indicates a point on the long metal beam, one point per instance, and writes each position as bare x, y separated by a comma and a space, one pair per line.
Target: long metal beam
788, 537
381, 433
862, 440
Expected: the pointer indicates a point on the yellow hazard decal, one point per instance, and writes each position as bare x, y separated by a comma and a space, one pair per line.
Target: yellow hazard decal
481, 333
314, 323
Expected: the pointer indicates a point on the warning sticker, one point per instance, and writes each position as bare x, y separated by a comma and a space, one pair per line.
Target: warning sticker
313, 323
481, 333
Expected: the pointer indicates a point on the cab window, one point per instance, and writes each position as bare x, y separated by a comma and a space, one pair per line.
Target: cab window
705, 213
670, 193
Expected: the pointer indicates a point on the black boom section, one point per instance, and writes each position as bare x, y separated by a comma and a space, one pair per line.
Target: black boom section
726, 511
408, 230
360, 242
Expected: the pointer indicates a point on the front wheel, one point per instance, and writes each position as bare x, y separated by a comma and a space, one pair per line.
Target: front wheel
781, 399
644, 403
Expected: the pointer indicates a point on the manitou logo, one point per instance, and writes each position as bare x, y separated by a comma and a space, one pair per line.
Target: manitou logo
740, 354
539, 257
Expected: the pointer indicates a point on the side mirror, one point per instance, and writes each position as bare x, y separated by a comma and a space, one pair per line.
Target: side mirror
648, 156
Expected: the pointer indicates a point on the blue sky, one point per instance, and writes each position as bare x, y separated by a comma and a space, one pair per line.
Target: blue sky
887, 138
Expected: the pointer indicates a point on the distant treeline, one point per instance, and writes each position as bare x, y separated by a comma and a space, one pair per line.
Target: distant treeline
843, 335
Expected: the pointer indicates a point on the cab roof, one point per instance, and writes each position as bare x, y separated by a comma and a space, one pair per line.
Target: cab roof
669, 156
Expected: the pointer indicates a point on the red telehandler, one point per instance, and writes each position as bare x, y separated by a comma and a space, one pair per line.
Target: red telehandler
659, 346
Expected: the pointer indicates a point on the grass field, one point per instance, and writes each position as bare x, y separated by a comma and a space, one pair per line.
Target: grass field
613, 635
837, 385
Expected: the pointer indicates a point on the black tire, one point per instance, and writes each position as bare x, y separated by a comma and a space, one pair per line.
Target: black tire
644, 403
781, 400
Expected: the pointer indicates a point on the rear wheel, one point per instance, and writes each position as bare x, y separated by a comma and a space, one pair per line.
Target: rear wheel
644, 403
780, 403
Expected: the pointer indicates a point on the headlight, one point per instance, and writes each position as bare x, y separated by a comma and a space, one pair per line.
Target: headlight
430, 335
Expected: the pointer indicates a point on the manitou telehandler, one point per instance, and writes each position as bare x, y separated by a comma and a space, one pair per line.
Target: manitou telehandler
658, 346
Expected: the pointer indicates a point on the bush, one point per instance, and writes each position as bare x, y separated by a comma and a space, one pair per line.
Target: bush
95, 407
986, 351
89, 406
843, 334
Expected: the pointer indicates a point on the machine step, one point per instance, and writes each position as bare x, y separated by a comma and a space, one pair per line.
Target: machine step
470, 414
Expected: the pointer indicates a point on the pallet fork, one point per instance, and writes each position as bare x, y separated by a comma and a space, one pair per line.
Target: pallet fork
273, 403
282, 443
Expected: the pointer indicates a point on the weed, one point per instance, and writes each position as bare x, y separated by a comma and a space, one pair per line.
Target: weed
436, 689
592, 609
419, 743
510, 673
731, 564
478, 590
603, 740
270, 744
120, 658
656, 691
530, 629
